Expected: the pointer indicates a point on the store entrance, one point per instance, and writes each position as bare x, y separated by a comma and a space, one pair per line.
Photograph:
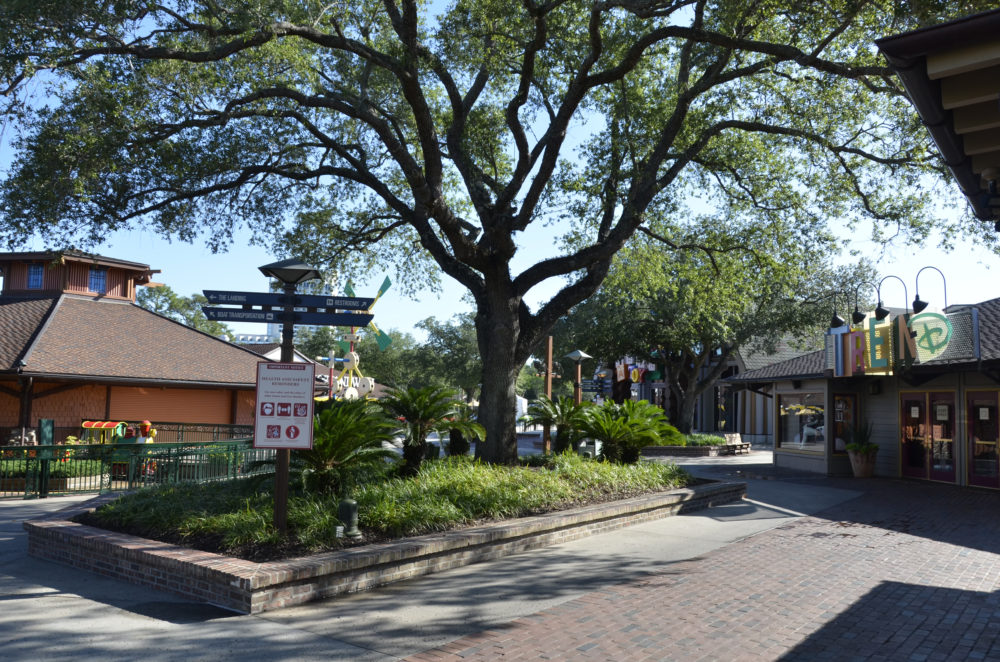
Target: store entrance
927, 443
984, 433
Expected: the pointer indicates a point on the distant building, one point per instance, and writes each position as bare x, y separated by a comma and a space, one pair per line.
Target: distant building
74, 346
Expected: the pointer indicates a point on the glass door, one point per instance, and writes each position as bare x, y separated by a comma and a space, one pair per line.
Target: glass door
984, 433
942, 441
928, 435
913, 431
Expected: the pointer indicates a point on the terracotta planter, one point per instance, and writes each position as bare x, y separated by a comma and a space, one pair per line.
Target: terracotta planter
863, 464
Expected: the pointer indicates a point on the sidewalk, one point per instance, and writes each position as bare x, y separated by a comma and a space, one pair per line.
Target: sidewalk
888, 569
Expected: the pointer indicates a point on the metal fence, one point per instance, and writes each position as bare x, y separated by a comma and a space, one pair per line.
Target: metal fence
40, 471
172, 433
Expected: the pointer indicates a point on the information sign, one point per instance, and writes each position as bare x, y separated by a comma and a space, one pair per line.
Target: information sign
284, 410
244, 298
277, 299
237, 315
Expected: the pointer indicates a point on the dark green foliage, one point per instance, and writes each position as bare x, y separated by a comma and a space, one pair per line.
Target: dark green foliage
421, 411
347, 445
699, 439
562, 414
625, 429
186, 310
444, 138
237, 518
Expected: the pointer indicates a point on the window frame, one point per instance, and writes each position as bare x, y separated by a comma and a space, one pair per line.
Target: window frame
97, 276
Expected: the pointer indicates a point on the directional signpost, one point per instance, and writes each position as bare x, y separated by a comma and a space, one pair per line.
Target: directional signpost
324, 319
305, 308
289, 308
277, 300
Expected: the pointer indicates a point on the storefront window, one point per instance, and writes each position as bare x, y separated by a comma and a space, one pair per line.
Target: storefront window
984, 434
801, 422
844, 408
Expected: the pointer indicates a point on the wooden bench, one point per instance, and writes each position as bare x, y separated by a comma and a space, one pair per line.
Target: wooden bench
735, 445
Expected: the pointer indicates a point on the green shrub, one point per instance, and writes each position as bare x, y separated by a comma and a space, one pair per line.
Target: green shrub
699, 439
235, 518
565, 415
625, 429
347, 446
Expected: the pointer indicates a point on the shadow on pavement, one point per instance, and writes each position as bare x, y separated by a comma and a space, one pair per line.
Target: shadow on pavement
899, 621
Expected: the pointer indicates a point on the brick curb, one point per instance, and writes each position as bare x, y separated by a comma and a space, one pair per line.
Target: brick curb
684, 451
249, 587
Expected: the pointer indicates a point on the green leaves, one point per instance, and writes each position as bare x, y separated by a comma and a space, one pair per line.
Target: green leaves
347, 438
186, 310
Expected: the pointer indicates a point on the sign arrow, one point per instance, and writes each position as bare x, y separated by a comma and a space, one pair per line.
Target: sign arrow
277, 299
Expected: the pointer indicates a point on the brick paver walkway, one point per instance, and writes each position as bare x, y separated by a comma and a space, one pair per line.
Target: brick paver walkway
910, 571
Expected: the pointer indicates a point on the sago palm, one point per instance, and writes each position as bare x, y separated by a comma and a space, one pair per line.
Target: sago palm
421, 411
347, 439
562, 413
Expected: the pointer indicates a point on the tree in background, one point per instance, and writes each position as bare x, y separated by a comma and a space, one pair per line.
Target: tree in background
316, 343
398, 132
186, 310
451, 354
691, 311
399, 365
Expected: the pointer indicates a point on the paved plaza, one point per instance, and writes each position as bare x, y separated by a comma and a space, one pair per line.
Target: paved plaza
807, 568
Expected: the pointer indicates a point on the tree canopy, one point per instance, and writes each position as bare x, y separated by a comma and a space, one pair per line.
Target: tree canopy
690, 311
186, 310
437, 138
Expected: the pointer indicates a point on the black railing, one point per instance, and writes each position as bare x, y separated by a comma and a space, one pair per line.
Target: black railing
40, 471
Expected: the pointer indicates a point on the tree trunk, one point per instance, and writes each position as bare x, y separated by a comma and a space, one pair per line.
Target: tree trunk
498, 330
685, 413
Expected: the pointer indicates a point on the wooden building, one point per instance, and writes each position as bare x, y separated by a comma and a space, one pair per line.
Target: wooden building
75, 346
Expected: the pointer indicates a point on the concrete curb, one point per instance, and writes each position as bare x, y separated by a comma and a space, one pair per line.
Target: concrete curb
249, 587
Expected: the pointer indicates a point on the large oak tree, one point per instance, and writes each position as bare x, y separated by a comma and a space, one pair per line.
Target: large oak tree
439, 137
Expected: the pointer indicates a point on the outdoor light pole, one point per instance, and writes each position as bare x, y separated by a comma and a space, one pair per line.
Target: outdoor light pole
577, 356
546, 428
290, 273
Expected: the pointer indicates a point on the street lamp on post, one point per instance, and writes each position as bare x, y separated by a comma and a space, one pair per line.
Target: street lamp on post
546, 428
577, 356
290, 272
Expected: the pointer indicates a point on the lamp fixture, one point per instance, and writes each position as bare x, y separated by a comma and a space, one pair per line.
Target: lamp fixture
836, 321
857, 317
918, 304
290, 272
881, 312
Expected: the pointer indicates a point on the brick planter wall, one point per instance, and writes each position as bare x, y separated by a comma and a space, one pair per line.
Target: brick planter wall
248, 587
681, 451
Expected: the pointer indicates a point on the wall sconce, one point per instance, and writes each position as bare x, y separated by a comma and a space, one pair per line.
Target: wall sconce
918, 305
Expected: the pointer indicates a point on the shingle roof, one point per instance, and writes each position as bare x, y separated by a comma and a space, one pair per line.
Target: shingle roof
812, 364
261, 348
786, 348
800, 367
84, 337
989, 329
20, 318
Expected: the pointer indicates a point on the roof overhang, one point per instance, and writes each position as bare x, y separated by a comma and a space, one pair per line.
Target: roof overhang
143, 272
8, 375
951, 73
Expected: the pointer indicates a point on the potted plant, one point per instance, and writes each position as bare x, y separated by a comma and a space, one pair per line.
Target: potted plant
861, 450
